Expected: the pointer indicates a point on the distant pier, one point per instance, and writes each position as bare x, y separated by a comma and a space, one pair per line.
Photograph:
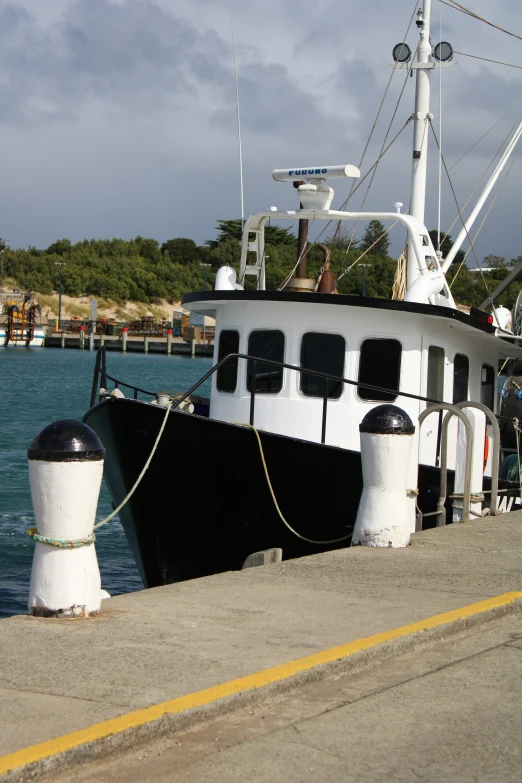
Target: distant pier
135, 344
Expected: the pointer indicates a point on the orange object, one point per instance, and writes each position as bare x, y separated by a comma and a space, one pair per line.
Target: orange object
486, 449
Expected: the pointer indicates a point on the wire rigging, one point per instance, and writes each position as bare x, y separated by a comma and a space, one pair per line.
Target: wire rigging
484, 174
329, 223
497, 194
238, 117
373, 171
459, 210
394, 69
458, 7
487, 60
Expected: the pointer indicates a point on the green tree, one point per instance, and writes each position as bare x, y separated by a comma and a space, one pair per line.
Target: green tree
340, 237
373, 238
446, 245
497, 262
233, 229
148, 248
181, 251
61, 247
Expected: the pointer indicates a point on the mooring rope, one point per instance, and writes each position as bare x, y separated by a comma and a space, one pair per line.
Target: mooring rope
144, 470
61, 543
283, 520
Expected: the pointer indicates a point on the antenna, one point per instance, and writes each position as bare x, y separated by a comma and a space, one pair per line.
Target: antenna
238, 117
440, 140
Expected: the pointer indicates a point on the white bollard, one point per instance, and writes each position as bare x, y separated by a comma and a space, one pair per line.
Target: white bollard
383, 517
65, 473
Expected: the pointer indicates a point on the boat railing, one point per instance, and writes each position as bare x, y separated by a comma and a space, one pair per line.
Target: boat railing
101, 377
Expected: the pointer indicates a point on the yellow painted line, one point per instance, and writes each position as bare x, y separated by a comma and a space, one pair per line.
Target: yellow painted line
98, 731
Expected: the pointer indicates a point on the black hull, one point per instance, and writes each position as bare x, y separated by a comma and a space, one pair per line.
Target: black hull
204, 504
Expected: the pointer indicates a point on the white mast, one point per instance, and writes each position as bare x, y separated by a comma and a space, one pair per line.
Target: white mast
421, 117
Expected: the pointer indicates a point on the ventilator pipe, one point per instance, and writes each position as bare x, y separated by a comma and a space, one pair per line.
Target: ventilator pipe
226, 278
425, 286
383, 518
65, 473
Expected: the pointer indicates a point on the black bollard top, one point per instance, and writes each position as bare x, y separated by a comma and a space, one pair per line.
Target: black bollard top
67, 440
387, 420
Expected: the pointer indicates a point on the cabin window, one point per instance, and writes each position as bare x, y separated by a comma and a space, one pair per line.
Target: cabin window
227, 374
379, 365
487, 386
435, 384
322, 353
460, 378
266, 344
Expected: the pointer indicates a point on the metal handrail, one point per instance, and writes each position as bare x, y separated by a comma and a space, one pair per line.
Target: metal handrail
495, 457
100, 366
452, 410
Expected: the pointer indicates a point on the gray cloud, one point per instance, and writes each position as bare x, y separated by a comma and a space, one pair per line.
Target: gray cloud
118, 116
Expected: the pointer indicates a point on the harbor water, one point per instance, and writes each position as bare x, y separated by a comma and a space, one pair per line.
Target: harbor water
40, 386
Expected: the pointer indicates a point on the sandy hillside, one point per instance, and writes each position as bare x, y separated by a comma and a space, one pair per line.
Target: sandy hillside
81, 306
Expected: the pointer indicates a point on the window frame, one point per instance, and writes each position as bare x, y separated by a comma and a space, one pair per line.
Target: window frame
443, 380
399, 373
454, 401
238, 332
247, 371
302, 370
486, 366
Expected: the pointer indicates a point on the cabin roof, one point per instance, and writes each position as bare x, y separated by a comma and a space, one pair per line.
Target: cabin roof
208, 298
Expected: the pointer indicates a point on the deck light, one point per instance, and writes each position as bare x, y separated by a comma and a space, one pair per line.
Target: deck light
443, 52
401, 53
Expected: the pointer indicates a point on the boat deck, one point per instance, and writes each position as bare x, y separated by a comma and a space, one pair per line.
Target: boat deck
160, 660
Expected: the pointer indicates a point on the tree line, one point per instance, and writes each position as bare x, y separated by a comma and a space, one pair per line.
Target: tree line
142, 270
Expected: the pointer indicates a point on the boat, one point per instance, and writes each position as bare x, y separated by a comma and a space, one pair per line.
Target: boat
295, 371
21, 321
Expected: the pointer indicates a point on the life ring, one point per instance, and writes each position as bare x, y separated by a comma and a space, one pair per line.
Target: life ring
486, 449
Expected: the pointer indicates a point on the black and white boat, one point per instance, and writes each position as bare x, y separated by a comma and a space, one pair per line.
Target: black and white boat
295, 372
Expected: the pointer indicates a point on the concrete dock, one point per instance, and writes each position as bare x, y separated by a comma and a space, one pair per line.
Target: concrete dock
358, 664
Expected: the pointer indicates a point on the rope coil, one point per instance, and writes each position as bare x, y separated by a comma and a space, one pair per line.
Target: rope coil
61, 543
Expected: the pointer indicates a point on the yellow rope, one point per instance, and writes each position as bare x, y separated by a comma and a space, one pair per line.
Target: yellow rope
283, 520
399, 282
145, 468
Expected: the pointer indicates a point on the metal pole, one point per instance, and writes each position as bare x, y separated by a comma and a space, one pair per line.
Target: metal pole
364, 278
2, 258
205, 275
252, 391
325, 403
60, 264
302, 242
421, 119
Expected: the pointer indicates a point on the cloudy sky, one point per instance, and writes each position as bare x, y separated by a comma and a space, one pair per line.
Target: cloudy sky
118, 117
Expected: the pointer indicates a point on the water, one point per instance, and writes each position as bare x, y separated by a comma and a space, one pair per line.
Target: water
37, 387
